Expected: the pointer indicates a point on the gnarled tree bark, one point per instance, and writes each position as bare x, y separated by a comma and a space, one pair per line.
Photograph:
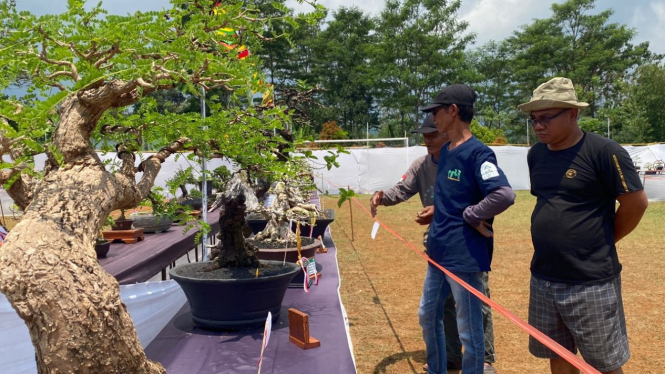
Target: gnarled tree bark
48, 267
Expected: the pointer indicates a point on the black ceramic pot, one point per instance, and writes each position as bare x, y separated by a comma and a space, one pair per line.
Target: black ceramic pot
235, 304
277, 254
122, 224
308, 251
196, 204
256, 224
319, 226
102, 248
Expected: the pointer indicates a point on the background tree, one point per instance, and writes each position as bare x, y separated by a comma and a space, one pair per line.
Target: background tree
343, 56
87, 68
594, 53
646, 106
420, 48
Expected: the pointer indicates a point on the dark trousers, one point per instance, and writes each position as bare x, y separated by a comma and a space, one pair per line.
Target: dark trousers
453, 343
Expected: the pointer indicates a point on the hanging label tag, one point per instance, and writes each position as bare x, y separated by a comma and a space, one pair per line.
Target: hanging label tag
266, 338
311, 226
304, 265
375, 229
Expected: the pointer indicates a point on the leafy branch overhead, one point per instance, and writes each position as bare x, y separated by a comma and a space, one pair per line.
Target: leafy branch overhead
87, 55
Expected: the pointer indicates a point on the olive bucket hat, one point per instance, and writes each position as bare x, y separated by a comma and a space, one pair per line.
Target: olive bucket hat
555, 93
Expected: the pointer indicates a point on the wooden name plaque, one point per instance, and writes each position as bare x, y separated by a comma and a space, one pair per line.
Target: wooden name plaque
299, 330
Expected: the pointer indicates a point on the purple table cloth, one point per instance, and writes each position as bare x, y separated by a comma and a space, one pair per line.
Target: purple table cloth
138, 262
185, 349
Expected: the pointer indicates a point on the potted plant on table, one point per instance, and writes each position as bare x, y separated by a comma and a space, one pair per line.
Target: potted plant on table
102, 246
179, 182
236, 289
122, 223
161, 215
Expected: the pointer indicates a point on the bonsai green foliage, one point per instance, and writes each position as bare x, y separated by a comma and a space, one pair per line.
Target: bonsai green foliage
195, 194
162, 206
345, 195
179, 181
172, 49
219, 177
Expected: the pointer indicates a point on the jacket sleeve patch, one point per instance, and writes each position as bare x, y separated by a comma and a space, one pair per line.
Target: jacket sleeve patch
488, 170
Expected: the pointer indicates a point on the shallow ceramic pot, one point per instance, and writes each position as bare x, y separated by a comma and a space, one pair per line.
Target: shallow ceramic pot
234, 304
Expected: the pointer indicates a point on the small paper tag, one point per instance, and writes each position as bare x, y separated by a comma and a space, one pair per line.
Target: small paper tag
375, 229
266, 338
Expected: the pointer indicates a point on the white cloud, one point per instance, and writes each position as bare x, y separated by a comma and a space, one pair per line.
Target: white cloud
656, 30
497, 19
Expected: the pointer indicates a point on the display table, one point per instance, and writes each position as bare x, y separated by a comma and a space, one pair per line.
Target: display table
138, 262
185, 349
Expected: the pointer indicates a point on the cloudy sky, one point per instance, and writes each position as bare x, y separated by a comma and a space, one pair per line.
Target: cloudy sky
489, 19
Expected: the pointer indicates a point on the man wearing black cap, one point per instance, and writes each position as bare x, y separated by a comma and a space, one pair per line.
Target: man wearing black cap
470, 189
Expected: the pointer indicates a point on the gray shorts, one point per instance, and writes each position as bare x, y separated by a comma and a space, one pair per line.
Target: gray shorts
585, 317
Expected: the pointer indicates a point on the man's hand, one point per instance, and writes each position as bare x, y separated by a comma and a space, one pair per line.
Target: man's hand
485, 229
375, 201
425, 216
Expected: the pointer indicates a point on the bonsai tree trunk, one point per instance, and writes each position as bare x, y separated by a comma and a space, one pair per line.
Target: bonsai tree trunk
287, 204
48, 267
232, 250
277, 228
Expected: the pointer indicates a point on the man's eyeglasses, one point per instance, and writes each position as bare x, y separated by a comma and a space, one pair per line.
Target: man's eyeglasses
544, 120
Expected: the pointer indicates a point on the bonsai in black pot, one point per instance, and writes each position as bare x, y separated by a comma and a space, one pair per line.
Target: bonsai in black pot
235, 290
179, 182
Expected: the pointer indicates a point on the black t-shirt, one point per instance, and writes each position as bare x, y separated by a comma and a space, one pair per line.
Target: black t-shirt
572, 225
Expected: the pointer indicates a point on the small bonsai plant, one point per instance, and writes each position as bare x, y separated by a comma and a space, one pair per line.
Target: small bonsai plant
122, 223
163, 212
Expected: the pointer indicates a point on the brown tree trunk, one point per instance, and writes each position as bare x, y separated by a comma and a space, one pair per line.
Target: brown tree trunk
48, 267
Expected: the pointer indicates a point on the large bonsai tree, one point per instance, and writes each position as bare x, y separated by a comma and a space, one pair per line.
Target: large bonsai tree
82, 70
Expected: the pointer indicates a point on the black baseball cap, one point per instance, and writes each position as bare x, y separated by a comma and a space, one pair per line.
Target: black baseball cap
427, 127
459, 94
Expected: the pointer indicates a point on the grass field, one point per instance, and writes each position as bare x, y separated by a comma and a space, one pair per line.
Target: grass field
382, 281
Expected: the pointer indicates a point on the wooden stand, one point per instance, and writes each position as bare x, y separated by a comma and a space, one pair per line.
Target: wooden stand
299, 330
128, 236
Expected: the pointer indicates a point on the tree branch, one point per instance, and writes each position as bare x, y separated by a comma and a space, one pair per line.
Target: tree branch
108, 54
151, 166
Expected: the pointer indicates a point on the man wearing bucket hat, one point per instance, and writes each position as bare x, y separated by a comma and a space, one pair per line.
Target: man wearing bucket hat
575, 291
470, 189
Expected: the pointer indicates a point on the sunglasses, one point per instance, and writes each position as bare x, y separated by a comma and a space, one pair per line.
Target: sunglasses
544, 120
